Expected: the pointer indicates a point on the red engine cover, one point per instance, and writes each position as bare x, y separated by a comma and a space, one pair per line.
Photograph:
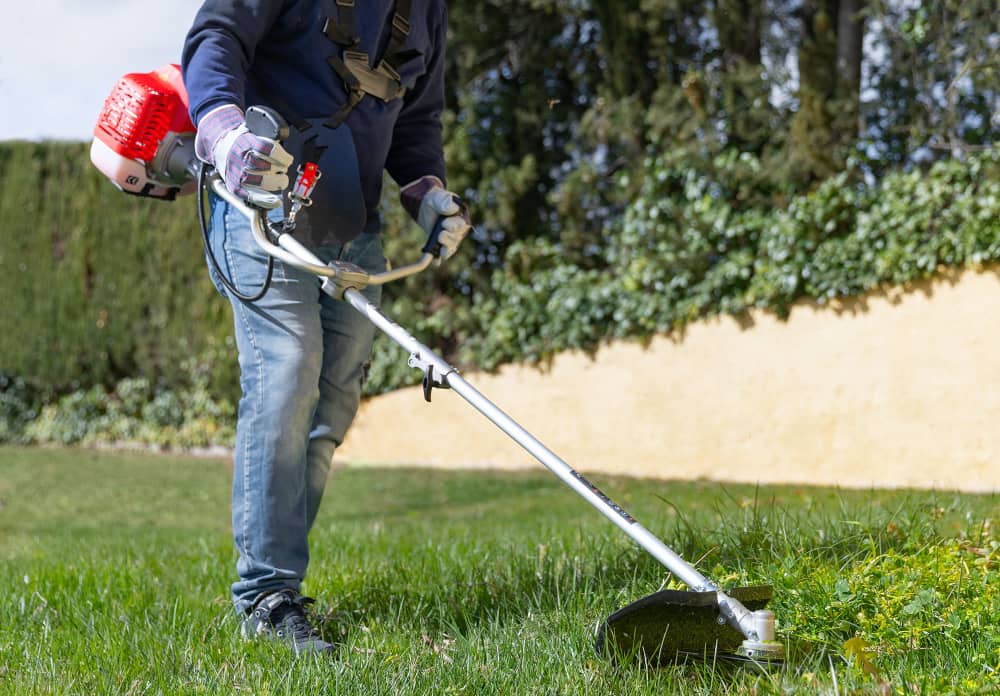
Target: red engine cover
141, 110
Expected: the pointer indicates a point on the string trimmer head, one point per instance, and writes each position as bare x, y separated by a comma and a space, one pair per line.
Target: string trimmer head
673, 626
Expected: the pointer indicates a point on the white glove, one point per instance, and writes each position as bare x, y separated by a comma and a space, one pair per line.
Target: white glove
252, 167
428, 201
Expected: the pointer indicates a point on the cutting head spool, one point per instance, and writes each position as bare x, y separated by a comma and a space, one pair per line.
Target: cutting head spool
144, 138
672, 626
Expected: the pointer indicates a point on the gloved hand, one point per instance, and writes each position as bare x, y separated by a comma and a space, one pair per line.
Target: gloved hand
427, 201
253, 168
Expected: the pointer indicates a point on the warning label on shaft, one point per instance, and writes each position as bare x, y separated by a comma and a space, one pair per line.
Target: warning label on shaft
605, 499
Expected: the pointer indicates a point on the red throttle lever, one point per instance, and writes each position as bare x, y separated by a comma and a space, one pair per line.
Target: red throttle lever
306, 182
301, 191
268, 123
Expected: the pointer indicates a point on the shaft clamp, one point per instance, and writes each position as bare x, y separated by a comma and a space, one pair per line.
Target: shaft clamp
432, 380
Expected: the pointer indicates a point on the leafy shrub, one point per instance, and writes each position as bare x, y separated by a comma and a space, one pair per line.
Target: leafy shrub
686, 250
693, 243
108, 286
133, 412
19, 405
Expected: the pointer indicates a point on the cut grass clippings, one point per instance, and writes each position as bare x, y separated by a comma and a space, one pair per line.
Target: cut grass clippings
116, 567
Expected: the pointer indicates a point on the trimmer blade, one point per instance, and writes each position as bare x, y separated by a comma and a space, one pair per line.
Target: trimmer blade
673, 626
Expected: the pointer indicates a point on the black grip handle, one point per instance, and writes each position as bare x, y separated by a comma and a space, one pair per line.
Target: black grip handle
265, 122
433, 245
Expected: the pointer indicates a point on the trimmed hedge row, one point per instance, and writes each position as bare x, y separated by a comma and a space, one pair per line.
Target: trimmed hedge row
99, 286
117, 287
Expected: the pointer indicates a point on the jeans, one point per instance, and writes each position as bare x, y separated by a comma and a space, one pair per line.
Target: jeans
303, 358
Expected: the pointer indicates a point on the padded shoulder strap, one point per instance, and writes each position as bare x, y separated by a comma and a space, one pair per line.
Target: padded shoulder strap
352, 64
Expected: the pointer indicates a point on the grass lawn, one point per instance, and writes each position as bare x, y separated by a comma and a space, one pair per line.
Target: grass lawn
115, 570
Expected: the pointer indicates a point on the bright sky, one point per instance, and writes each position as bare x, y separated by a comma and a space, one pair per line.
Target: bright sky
59, 59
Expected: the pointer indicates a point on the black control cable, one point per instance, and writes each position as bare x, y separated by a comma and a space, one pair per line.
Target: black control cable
202, 220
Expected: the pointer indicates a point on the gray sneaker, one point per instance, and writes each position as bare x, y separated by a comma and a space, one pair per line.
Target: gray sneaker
281, 615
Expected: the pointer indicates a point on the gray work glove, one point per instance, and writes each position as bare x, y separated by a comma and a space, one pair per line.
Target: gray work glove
427, 201
253, 168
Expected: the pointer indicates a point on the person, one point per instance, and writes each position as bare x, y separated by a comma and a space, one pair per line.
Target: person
362, 85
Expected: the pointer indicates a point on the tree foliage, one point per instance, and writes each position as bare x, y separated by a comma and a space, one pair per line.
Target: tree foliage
631, 166
935, 90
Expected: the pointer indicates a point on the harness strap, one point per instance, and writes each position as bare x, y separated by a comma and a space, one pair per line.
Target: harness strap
340, 67
311, 150
400, 29
336, 34
359, 78
345, 12
342, 113
396, 54
355, 93
383, 81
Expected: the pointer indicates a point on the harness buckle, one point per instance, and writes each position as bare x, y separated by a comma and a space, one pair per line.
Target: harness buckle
382, 82
355, 58
399, 23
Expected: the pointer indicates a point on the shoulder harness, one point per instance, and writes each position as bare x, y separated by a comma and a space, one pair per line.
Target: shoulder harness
353, 66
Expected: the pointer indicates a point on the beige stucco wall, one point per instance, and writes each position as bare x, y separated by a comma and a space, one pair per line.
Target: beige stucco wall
888, 391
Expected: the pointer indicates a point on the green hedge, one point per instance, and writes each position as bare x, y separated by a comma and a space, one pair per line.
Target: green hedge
98, 286
688, 248
102, 289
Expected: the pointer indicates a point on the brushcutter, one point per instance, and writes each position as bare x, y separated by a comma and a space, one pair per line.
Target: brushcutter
661, 628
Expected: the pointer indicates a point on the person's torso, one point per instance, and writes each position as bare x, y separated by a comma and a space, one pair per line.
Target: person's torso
291, 69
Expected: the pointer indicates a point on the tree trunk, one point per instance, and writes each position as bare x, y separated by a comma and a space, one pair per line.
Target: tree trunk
826, 124
850, 40
739, 25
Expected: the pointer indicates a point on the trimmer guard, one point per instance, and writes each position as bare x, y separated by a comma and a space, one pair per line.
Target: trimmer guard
674, 625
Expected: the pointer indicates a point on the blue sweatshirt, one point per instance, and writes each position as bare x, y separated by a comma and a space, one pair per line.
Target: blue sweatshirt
237, 49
